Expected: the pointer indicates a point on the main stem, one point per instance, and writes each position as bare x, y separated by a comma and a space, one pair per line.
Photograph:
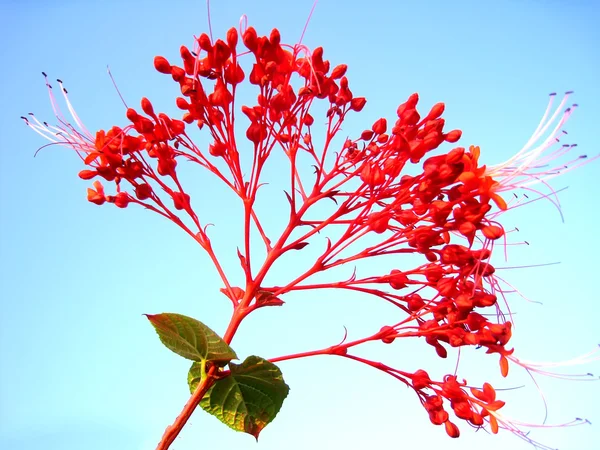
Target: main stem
205, 384
172, 431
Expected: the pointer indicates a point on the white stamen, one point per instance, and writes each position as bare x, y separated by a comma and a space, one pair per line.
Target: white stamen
523, 169
65, 134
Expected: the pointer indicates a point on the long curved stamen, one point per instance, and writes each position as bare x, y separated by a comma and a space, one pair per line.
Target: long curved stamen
115, 85
539, 367
243, 25
65, 134
72, 110
513, 426
543, 120
209, 21
312, 10
523, 169
542, 126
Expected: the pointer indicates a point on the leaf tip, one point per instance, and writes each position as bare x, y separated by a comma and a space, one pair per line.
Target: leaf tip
254, 429
153, 318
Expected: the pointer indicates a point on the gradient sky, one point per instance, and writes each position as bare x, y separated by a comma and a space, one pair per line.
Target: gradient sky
80, 366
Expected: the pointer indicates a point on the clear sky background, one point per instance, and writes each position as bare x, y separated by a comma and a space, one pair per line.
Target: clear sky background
80, 366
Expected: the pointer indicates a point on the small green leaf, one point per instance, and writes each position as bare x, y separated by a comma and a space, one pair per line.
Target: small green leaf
248, 399
190, 338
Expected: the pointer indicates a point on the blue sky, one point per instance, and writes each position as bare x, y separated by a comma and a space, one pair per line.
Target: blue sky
80, 366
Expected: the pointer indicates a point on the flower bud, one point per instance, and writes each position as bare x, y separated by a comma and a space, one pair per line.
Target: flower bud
453, 136
147, 107
339, 71
380, 126
232, 38
358, 103
452, 429
162, 65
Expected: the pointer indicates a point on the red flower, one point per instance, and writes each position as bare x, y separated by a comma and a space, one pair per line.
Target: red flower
444, 215
96, 195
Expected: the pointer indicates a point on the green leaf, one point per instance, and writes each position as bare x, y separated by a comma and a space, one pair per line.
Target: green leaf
190, 338
246, 400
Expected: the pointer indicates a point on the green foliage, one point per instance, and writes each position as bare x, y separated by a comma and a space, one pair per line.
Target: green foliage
248, 399
190, 338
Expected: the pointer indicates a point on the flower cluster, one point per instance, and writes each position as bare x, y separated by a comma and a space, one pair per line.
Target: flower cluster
446, 213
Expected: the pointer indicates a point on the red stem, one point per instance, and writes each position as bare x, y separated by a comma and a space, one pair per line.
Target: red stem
242, 309
173, 431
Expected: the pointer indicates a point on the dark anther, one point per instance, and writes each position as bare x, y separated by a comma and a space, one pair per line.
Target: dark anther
44, 73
